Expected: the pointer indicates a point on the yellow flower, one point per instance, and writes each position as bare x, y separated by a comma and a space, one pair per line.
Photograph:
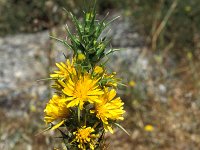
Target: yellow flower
98, 70
56, 110
80, 90
149, 128
84, 136
132, 83
110, 108
65, 70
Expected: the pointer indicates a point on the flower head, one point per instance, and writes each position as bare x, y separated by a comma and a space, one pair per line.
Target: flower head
110, 108
65, 70
149, 128
80, 90
55, 110
85, 136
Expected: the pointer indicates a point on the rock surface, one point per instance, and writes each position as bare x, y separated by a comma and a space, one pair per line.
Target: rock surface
23, 61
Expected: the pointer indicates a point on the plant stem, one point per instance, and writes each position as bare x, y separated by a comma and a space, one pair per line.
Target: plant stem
79, 115
163, 24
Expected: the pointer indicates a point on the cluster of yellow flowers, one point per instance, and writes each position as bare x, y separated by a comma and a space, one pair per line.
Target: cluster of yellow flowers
90, 95
85, 102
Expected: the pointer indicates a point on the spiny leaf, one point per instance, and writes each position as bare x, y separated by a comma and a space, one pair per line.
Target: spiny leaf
62, 133
45, 79
118, 125
62, 41
75, 21
69, 33
77, 25
122, 84
112, 51
112, 20
102, 26
47, 129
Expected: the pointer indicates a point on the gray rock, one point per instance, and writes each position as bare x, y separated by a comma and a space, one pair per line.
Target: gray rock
23, 60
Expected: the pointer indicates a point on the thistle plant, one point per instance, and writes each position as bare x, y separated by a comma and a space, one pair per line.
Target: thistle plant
85, 103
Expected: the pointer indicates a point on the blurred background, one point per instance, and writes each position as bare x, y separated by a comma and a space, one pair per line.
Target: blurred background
159, 62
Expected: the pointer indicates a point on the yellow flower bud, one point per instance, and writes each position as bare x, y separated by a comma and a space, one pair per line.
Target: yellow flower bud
98, 70
132, 83
81, 57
